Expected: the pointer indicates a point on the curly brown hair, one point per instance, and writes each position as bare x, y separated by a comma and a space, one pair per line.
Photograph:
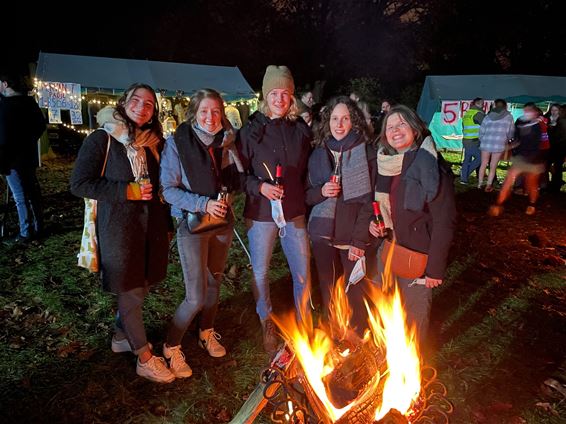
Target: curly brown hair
153, 123
359, 124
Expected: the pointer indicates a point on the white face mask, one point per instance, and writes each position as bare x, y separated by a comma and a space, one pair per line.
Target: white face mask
358, 272
277, 213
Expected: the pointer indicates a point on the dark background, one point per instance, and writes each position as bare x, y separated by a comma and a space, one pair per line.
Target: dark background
390, 44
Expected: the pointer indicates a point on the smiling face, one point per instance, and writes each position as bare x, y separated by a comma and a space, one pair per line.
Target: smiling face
140, 106
399, 134
340, 121
279, 102
209, 114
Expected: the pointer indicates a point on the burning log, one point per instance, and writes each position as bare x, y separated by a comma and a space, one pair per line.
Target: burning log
393, 417
327, 375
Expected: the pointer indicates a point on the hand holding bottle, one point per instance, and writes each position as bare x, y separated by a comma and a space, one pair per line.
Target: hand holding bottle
146, 188
330, 189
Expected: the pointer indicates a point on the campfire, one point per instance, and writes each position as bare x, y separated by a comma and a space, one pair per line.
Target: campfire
329, 374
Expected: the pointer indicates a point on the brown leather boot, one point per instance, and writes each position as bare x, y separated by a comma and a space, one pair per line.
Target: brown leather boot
270, 337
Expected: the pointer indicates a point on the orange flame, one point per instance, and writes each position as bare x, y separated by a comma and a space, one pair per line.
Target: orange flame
316, 351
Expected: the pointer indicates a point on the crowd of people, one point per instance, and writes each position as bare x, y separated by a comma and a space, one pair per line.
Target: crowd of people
311, 188
312, 176
535, 143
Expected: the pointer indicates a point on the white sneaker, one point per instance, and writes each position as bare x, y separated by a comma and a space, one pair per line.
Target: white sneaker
208, 339
155, 369
123, 345
177, 363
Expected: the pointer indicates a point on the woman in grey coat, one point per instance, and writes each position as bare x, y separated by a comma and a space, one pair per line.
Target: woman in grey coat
132, 223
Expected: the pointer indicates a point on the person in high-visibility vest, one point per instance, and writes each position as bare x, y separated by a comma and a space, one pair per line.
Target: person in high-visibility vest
471, 122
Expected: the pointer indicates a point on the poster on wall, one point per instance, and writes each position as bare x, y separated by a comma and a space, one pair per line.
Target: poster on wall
60, 95
453, 110
54, 116
76, 117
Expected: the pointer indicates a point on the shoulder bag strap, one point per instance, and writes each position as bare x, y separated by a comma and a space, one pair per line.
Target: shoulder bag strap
106, 157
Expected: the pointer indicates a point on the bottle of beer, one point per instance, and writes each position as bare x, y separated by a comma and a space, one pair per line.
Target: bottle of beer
223, 195
278, 182
336, 176
378, 217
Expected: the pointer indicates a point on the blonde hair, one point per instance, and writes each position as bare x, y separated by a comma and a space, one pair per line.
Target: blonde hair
292, 112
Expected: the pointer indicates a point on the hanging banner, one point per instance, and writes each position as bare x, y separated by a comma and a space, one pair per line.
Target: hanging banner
453, 110
60, 95
54, 116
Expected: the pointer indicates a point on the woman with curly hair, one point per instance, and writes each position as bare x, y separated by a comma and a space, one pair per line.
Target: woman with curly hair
341, 207
132, 223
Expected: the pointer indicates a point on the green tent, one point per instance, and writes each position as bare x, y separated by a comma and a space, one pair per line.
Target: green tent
451, 93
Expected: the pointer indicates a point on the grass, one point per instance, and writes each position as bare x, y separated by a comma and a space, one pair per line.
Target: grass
54, 350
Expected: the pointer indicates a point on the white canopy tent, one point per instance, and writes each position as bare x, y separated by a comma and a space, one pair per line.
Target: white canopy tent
104, 74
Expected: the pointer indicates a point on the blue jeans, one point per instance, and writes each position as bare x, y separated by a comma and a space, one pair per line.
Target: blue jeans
295, 244
203, 257
27, 196
472, 160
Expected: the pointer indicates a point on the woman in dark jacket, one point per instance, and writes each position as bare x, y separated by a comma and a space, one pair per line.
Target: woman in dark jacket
200, 162
338, 222
274, 135
132, 223
416, 192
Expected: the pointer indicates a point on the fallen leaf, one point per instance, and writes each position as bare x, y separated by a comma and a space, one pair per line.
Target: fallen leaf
548, 408
223, 416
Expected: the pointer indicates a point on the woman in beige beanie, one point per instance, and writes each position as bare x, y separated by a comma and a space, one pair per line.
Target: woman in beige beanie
273, 136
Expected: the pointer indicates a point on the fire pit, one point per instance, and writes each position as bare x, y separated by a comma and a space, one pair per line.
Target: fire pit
329, 375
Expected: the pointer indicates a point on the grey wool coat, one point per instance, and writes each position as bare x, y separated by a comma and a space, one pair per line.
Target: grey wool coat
132, 235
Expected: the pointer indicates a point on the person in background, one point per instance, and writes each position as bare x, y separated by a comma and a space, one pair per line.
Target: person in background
528, 160
21, 125
496, 130
416, 192
132, 223
341, 209
273, 136
307, 98
198, 161
471, 122
385, 108
305, 112
557, 153
233, 116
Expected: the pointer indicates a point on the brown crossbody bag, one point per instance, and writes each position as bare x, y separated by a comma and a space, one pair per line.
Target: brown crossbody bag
405, 263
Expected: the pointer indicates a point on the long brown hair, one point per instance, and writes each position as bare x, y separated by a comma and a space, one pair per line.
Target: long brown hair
153, 124
359, 124
199, 96
407, 114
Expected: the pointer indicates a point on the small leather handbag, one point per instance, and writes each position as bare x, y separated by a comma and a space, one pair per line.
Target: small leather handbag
405, 263
198, 222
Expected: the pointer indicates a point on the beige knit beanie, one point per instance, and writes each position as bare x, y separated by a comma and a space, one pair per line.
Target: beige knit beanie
277, 77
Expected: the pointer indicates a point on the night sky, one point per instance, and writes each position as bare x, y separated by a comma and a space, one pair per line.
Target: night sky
395, 42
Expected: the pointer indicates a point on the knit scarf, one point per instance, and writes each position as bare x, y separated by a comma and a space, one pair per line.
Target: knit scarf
355, 180
135, 151
421, 177
229, 152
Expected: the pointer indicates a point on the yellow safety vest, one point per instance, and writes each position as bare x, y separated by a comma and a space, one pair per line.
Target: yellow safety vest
470, 129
